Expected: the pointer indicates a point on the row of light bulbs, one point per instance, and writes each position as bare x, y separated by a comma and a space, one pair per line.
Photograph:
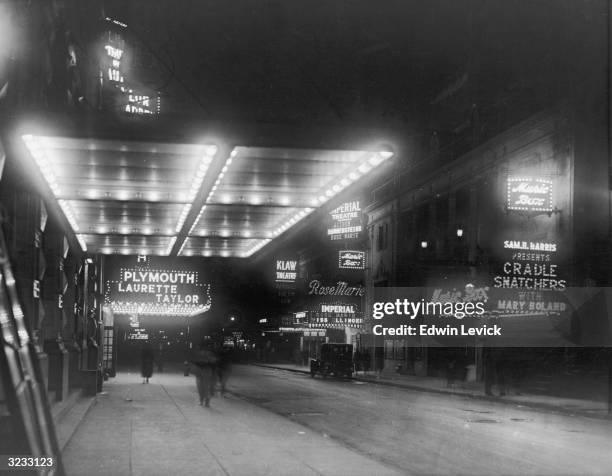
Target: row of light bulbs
205, 161
373, 161
208, 153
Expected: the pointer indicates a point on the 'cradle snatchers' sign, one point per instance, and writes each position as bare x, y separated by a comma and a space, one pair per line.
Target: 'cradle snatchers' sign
530, 194
157, 292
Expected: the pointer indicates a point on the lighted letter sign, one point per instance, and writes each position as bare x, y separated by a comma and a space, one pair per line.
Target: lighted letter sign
349, 259
157, 292
299, 317
529, 281
139, 103
337, 315
346, 221
530, 194
138, 334
530, 266
113, 70
129, 100
286, 271
315, 288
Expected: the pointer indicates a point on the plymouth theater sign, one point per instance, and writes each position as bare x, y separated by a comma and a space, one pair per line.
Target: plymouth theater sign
529, 194
346, 221
141, 290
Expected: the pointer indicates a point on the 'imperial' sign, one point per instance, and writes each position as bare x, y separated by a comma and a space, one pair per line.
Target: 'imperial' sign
349, 259
530, 194
346, 221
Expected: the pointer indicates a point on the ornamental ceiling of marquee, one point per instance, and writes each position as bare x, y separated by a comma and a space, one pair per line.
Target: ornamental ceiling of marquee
127, 197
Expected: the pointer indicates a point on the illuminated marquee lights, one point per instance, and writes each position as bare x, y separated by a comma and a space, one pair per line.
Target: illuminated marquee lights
530, 194
47, 170
159, 289
212, 190
351, 259
326, 193
207, 157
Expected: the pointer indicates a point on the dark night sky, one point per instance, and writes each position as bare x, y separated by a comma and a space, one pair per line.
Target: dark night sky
359, 61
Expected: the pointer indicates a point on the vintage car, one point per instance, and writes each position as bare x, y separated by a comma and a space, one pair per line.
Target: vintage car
334, 359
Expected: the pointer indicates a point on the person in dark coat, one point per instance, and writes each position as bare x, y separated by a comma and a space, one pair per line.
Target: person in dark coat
204, 362
224, 367
147, 357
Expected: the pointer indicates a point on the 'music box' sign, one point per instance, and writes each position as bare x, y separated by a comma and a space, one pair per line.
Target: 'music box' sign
530, 194
349, 259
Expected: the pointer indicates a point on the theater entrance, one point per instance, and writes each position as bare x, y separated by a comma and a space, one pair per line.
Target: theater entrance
168, 335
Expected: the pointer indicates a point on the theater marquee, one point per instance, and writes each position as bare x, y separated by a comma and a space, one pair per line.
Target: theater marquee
143, 290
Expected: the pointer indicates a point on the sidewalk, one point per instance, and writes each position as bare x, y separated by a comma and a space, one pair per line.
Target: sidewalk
159, 429
571, 406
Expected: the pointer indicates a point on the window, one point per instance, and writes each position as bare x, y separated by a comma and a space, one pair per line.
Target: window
381, 237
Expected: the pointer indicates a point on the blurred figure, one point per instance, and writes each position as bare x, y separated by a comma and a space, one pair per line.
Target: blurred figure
146, 358
224, 367
160, 358
204, 362
451, 373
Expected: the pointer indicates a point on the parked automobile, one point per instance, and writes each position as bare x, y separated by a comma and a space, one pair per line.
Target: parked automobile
334, 359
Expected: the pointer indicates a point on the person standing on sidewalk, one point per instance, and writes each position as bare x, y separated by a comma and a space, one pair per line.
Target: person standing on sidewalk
204, 361
224, 367
146, 362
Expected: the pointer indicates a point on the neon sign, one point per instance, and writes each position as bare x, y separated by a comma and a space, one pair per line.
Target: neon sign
337, 315
299, 317
530, 194
157, 292
346, 221
286, 271
114, 69
349, 259
341, 289
530, 267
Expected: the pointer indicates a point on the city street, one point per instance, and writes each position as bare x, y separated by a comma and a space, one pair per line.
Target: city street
281, 422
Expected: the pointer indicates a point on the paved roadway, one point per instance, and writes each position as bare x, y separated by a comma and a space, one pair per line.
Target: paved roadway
427, 433
281, 422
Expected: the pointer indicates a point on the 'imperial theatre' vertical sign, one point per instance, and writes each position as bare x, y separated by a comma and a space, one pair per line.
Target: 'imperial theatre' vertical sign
346, 221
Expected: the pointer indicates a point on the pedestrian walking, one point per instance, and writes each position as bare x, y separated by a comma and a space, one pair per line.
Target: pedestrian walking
147, 358
204, 361
451, 373
224, 367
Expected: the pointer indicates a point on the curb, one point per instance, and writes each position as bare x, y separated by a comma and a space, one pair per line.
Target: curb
475, 396
67, 425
